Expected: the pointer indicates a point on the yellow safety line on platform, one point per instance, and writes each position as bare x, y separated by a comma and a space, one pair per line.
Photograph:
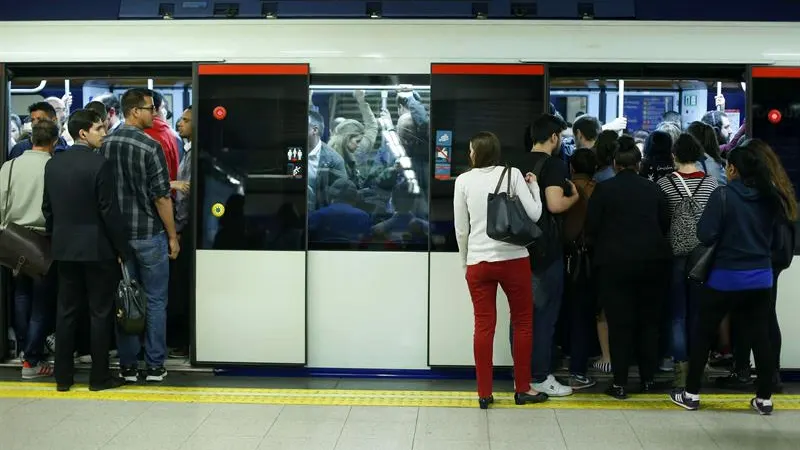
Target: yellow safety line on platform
335, 397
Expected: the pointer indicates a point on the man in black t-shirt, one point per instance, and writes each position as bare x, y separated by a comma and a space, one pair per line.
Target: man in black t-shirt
547, 254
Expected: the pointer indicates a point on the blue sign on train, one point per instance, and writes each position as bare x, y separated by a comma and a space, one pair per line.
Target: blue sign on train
444, 138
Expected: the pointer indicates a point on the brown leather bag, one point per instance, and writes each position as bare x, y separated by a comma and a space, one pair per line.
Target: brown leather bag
21, 249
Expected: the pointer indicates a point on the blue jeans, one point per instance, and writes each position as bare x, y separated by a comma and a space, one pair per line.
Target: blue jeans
684, 310
548, 290
150, 266
34, 313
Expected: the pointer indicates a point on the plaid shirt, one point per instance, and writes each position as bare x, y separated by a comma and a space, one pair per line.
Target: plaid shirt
140, 170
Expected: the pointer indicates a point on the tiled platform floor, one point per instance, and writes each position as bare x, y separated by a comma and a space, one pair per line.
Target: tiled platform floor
44, 424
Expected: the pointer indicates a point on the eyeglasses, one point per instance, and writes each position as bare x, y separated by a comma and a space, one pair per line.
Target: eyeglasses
151, 108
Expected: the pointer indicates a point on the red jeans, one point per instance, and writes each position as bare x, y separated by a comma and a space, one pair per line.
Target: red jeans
514, 276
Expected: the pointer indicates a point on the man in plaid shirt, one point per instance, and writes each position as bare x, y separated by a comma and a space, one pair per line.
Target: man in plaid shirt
143, 193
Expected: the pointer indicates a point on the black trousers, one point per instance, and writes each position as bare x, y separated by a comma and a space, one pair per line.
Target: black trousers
178, 307
742, 344
753, 304
633, 296
82, 286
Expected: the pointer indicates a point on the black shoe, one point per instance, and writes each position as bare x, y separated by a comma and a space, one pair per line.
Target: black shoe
111, 383
777, 384
618, 392
648, 387
156, 374
680, 398
526, 398
179, 353
735, 380
129, 375
63, 387
760, 407
484, 402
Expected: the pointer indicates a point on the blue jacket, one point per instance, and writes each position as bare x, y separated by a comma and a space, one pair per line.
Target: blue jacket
27, 144
745, 234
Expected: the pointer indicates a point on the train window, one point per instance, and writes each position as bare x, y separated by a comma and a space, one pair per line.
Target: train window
464, 103
776, 114
252, 127
368, 163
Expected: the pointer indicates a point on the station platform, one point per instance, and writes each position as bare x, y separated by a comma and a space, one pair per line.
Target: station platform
202, 411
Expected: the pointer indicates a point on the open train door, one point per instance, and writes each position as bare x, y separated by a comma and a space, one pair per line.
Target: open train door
5, 275
251, 131
774, 116
465, 99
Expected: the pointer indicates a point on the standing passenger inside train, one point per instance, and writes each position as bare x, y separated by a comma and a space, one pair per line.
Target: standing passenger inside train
21, 193
489, 262
325, 166
627, 225
89, 242
658, 160
605, 147
114, 119
580, 301
143, 193
711, 163
739, 220
163, 134
180, 269
14, 129
352, 139
687, 191
38, 111
558, 194
586, 130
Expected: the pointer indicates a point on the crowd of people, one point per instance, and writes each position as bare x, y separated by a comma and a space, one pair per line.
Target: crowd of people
112, 195
623, 219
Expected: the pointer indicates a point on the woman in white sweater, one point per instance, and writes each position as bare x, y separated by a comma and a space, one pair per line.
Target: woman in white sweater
489, 262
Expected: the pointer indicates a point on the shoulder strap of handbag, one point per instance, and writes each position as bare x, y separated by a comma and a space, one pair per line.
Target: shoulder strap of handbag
8, 187
500, 181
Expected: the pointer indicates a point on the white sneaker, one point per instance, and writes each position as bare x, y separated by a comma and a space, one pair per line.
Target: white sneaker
552, 387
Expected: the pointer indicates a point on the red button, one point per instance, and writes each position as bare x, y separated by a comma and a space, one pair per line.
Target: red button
774, 116
220, 112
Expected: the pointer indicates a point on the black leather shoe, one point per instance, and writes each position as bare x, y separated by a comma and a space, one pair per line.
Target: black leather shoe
484, 402
63, 387
526, 398
618, 392
111, 383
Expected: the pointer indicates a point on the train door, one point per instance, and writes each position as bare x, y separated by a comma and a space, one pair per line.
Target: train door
251, 135
68, 87
467, 98
4, 275
774, 98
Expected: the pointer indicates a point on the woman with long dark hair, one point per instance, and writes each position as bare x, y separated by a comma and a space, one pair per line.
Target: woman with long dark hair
781, 258
740, 220
489, 262
712, 163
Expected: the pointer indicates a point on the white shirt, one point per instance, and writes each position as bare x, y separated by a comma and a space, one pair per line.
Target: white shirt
470, 203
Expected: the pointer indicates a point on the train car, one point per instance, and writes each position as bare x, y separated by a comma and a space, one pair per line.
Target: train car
275, 281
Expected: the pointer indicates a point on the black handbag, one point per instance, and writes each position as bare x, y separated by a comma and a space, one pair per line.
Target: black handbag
131, 305
23, 250
700, 260
506, 219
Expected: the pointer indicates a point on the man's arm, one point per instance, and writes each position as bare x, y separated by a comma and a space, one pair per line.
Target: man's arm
159, 190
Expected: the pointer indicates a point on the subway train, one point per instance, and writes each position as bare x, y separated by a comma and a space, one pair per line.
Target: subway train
275, 280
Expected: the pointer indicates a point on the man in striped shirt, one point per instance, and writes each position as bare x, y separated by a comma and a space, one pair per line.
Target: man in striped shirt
143, 193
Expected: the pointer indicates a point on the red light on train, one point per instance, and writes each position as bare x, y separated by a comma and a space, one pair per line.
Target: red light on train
774, 116
220, 112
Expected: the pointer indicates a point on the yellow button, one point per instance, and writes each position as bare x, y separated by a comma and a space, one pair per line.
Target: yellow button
218, 210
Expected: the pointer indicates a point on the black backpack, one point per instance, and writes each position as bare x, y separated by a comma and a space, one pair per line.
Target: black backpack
549, 242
